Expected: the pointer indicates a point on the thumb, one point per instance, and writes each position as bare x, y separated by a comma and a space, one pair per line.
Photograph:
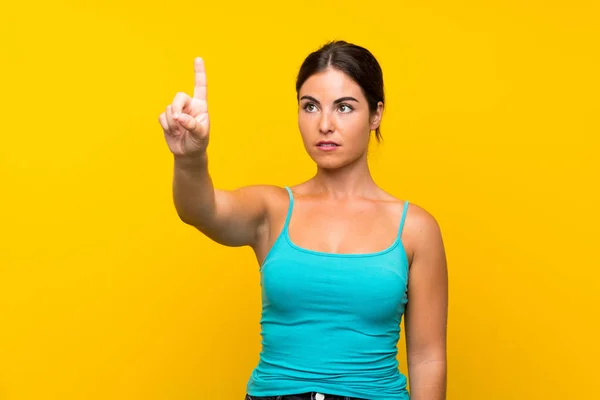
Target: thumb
191, 124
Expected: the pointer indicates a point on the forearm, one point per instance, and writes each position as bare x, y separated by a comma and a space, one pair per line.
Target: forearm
193, 190
427, 379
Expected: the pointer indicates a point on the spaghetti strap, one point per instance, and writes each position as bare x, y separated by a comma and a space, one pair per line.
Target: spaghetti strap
404, 212
291, 206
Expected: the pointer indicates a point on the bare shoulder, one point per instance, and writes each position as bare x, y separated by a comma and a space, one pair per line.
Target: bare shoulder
276, 202
422, 233
261, 193
255, 201
421, 222
273, 195
416, 216
273, 198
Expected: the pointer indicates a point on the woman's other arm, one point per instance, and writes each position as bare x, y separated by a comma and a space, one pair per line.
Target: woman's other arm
427, 310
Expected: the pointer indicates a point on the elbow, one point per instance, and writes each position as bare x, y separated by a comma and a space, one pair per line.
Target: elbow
425, 355
183, 216
186, 217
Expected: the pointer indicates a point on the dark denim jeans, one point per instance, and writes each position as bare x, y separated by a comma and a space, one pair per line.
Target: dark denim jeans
303, 396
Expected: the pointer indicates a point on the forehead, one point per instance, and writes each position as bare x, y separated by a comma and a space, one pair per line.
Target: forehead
330, 83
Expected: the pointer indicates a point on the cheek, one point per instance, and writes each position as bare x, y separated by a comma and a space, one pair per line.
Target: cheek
306, 124
355, 127
301, 121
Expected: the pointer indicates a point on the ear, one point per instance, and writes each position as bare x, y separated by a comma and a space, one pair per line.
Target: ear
376, 116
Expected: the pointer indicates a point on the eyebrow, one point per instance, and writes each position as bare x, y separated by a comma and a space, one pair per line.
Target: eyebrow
341, 99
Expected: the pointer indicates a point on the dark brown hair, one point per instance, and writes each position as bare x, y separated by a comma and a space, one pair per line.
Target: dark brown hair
355, 61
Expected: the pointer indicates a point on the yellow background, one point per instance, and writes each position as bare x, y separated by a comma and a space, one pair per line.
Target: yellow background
492, 125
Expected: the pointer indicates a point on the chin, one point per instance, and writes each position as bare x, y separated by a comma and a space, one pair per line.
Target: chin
332, 161
330, 164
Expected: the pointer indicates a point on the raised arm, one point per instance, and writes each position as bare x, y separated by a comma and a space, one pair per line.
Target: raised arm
232, 218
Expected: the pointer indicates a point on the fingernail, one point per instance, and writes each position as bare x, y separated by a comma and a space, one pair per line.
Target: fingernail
176, 115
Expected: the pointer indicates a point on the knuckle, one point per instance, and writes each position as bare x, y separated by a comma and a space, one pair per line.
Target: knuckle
180, 96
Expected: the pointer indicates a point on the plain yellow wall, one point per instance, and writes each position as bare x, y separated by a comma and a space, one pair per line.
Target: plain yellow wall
491, 124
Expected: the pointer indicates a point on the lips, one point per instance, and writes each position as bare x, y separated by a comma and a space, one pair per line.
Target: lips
327, 144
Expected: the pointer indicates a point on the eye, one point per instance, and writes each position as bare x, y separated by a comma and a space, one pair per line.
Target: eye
345, 108
310, 107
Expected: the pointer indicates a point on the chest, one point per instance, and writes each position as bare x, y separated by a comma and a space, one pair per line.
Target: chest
318, 287
344, 228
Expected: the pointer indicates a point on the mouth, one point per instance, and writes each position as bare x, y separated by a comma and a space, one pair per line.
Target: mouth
325, 144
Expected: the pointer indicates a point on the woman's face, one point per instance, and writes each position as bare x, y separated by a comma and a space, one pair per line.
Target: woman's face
334, 119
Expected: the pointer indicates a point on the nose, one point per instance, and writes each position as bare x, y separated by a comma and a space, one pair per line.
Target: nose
326, 123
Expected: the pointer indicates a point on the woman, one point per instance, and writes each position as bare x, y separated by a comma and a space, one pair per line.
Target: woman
335, 252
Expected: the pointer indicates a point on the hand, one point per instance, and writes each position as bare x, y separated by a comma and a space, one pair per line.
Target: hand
185, 122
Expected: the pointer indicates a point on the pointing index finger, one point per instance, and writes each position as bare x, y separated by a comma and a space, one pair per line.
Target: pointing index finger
199, 79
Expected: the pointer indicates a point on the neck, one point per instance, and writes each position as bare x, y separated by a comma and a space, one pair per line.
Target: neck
351, 180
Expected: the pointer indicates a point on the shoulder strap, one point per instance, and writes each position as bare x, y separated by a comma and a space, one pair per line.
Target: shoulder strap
291, 206
404, 212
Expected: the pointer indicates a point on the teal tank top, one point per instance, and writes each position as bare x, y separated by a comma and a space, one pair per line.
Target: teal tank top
331, 322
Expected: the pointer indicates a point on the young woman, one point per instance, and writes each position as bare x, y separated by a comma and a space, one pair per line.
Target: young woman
341, 260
